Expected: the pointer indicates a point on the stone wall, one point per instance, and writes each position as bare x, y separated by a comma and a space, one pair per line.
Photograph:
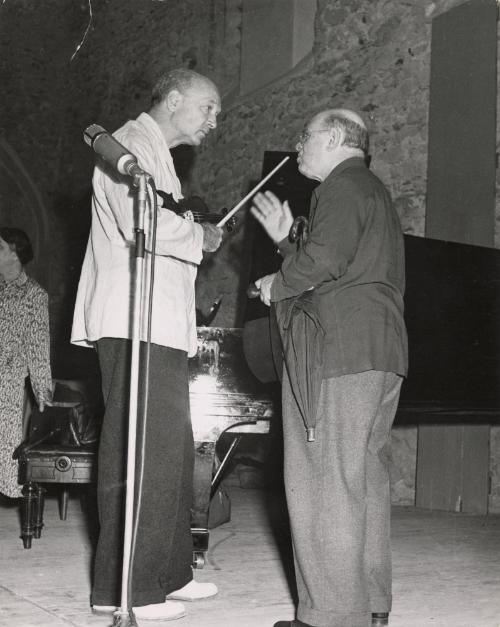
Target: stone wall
372, 56
62, 71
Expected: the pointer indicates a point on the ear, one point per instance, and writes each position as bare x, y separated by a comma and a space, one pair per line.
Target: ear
173, 99
333, 140
336, 138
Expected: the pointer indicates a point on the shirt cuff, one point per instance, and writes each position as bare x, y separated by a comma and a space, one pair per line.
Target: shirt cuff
286, 247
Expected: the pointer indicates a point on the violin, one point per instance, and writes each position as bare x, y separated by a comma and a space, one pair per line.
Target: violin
198, 215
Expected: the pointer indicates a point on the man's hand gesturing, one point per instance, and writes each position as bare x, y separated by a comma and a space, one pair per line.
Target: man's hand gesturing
275, 216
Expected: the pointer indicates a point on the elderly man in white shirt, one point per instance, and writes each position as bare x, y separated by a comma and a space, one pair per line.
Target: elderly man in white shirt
184, 109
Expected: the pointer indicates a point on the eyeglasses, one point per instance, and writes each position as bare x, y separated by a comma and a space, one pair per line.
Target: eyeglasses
305, 135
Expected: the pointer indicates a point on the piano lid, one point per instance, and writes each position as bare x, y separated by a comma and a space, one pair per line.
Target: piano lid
452, 313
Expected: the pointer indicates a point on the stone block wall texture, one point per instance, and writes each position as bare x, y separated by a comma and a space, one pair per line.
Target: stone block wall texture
62, 70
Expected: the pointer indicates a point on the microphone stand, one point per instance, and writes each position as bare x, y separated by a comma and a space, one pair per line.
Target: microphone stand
124, 616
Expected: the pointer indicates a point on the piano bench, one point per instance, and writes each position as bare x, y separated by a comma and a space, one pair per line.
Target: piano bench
50, 463
63, 464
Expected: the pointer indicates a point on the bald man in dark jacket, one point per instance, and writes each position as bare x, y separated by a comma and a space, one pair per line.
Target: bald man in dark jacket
351, 269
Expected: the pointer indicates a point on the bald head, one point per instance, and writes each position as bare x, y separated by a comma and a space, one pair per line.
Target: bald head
347, 114
181, 80
349, 124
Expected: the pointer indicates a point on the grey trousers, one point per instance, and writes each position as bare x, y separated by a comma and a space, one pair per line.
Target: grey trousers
338, 499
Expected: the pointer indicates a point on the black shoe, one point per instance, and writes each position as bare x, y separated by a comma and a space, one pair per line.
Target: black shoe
380, 619
291, 623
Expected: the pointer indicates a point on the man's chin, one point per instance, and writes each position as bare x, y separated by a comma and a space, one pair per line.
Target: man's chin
308, 173
194, 140
200, 136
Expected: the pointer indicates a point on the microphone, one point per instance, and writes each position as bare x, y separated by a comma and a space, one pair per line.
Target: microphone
114, 153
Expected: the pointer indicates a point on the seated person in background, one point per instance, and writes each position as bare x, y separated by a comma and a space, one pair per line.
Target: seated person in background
25, 348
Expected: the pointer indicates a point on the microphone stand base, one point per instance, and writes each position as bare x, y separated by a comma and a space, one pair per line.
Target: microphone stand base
124, 619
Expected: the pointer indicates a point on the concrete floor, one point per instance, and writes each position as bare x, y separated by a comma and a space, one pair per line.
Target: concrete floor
446, 569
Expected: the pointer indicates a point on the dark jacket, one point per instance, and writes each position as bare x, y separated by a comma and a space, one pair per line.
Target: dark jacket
354, 259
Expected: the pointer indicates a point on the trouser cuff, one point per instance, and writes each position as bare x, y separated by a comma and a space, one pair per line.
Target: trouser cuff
333, 619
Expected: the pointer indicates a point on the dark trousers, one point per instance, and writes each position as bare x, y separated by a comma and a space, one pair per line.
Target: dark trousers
163, 553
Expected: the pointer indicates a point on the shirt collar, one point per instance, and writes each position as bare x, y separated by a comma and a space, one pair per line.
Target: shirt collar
352, 162
152, 129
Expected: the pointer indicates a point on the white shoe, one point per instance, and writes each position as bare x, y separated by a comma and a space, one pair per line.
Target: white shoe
193, 591
104, 609
168, 610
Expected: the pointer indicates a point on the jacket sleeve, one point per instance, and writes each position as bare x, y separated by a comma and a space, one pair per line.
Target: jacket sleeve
175, 236
336, 229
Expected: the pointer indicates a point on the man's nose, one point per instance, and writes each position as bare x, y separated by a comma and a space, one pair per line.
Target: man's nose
212, 120
298, 146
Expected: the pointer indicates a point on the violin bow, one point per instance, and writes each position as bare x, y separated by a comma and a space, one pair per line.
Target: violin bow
230, 214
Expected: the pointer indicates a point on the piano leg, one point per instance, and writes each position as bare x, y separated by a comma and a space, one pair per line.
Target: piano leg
204, 458
28, 504
38, 511
63, 503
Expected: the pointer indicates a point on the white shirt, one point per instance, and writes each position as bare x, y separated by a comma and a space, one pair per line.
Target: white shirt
104, 299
